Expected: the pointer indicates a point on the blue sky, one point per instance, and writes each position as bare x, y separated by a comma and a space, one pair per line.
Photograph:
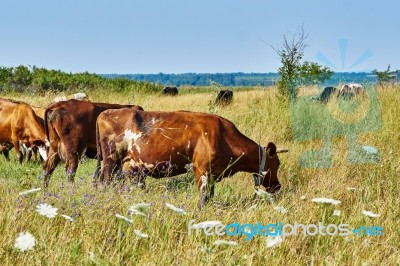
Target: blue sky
180, 36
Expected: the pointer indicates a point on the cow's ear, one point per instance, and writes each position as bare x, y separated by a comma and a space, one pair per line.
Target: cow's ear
271, 149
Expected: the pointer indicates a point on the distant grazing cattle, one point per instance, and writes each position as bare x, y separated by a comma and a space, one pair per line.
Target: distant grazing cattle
326, 94
80, 96
224, 97
160, 144
71, 129
169, 91
350, 90
77, 96
20, 128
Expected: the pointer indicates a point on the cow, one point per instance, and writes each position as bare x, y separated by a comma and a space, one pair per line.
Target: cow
20, 128
326, 94
71, 130
173, 91
161, 144
77, 96
351, 90
224, 97
26, 151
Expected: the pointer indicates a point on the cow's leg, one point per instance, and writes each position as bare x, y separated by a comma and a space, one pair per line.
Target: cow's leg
29, 154
205, 185
109, 166
49, 165
72, 165
6, 153
20, 156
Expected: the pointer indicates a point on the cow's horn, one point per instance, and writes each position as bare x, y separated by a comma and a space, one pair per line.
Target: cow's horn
280, 150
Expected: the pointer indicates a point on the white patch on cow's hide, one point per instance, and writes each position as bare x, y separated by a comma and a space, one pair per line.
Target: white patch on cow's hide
43, 153
141, 163
189, 167
131, 138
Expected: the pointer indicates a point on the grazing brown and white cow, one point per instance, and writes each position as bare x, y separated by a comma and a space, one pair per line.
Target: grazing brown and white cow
350, 90
77, 96
20, 128
71, 129
162, 144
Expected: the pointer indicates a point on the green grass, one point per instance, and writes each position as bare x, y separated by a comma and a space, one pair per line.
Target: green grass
263, 117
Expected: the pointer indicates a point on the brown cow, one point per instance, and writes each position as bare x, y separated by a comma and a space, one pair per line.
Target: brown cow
71, 129
162, 144
27, 152
20, 127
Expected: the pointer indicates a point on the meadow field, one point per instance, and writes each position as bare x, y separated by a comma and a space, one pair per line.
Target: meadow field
98, 237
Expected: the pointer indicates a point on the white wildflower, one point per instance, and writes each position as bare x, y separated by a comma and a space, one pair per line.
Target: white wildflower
336, 213
91, 256
66, 217
272, 241
140, 234
46, 210
123, 218
366, 242
326, 200
25, 241
280, 209
139, 209
26, 192
303, 197
175, 209
370, 214
225, 243
351, 188
264, 194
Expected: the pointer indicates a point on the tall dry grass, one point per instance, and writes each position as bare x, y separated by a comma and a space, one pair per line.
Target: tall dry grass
262, 116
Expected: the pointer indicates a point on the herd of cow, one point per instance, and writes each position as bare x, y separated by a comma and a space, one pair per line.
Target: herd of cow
133, 143
346, 91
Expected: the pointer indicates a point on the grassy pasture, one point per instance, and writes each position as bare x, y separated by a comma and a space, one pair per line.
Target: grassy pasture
262, 116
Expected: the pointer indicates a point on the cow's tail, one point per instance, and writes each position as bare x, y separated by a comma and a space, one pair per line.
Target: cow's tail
46, 127
98, 156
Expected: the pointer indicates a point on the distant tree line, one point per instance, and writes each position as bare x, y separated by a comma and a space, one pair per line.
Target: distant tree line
37, 79
247, 79
203, 79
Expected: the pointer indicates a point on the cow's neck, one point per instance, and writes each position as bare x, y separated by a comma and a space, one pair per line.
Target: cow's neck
251, 159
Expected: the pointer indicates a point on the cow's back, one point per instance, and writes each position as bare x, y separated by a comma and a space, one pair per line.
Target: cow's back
151, 137
74, 123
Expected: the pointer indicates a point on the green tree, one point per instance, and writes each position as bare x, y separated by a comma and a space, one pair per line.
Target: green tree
311, 73
386, 76
5, 76
21, 77
291, 51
